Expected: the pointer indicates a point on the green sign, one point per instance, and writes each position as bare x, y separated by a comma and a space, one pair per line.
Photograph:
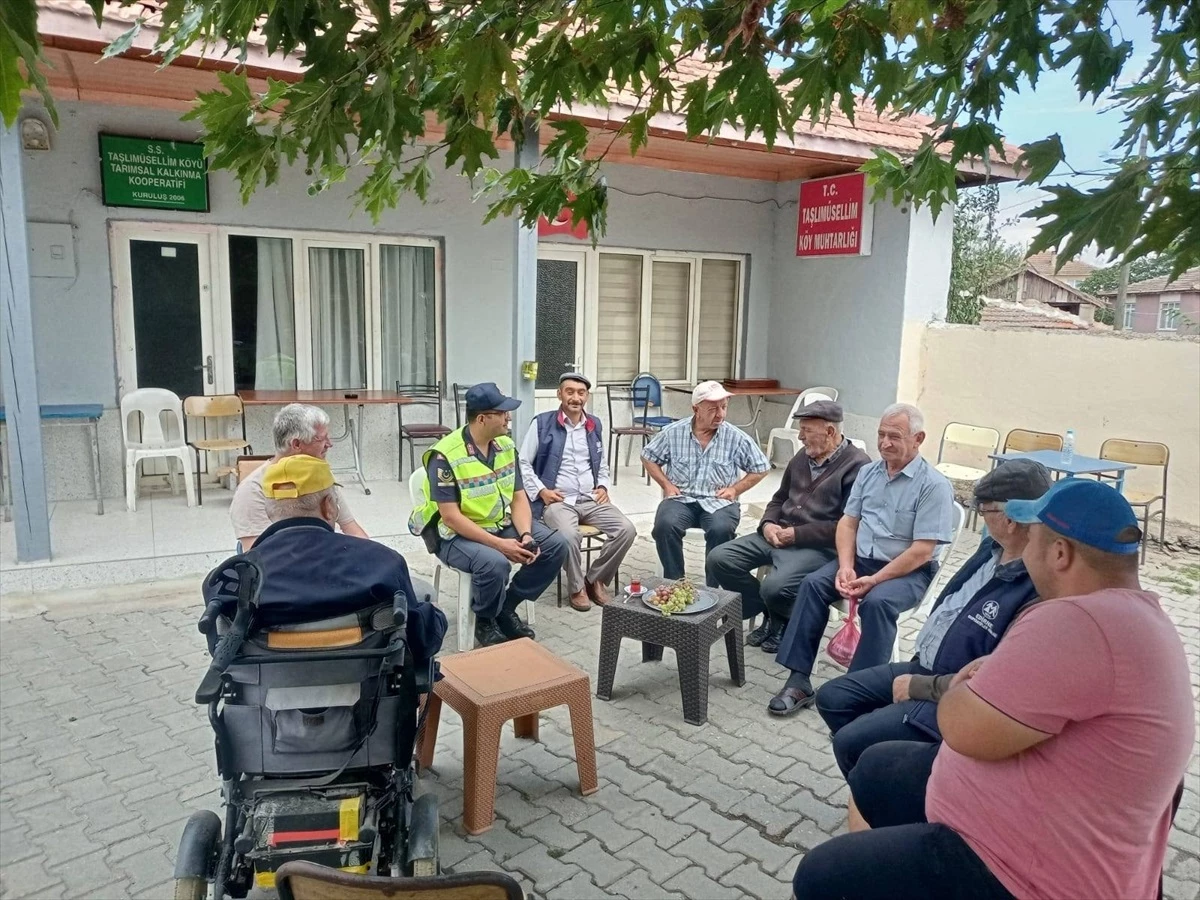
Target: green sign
153, 174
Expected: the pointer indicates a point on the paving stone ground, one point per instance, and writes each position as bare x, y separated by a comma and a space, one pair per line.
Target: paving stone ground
103, 755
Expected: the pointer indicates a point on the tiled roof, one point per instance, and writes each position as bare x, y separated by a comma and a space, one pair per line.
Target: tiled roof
837, 138
1044, 263
1188, 281
1003, 314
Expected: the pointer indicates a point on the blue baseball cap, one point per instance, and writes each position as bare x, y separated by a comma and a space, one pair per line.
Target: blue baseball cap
486, 396
1085, 511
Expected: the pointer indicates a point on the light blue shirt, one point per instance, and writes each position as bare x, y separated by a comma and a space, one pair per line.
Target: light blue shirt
929, 640
699, 472
915, 505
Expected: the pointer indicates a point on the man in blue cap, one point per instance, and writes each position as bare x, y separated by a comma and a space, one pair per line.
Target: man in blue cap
477, 518
1062, 750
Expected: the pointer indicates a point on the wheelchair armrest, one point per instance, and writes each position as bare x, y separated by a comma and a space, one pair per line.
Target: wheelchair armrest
425, 675
210, 688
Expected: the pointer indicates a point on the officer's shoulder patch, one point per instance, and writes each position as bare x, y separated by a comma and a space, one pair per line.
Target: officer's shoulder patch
444, 475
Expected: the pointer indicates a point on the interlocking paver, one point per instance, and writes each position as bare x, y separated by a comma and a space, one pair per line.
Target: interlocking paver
96, 717
604, 867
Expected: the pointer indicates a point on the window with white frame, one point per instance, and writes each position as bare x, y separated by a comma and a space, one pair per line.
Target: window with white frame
1168, 315
1130, 307
672, 314
339, 313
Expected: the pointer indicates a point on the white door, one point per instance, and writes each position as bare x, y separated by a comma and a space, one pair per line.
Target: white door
164, 297
164, 313
560, 315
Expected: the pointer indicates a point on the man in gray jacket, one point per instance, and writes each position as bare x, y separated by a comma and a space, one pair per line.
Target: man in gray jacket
797, 530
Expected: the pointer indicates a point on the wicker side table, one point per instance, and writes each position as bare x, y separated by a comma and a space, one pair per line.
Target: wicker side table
691, 637
487, 687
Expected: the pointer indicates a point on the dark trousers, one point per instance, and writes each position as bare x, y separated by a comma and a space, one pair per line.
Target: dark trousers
675, 517
902, 856
490, 569
733, 566
877, 612
859, 711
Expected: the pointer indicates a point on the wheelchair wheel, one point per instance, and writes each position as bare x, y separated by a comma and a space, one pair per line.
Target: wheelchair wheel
423, 837
191, 889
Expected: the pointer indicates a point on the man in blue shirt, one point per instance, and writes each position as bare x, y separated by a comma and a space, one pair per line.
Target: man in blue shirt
311, 572
696, 462
900, 509
897, 701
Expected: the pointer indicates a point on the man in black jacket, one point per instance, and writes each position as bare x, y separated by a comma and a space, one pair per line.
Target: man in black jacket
311, 572
795, 536
897, 701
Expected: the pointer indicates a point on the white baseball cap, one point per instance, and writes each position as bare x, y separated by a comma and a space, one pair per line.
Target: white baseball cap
708, 390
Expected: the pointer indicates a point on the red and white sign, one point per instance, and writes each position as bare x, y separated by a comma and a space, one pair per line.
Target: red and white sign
835, 218
562, 225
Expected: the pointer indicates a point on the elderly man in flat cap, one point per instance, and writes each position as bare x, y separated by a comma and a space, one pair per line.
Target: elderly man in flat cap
796, 534
565, 474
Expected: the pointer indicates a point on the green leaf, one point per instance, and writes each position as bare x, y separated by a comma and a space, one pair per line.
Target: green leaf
638, 128
469, 143
124, 42
1100, 61
1039, 159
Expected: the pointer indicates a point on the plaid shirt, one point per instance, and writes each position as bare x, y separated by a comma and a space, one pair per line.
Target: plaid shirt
699, 472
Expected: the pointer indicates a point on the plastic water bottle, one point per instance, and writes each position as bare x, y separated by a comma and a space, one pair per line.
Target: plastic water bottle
1068, 450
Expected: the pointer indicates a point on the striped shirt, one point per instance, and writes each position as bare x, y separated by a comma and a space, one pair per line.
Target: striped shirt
699, 472
915, 505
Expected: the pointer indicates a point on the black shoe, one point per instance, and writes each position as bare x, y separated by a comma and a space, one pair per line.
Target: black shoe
512, 627
796, 695
755, 637
487, 634
770, 643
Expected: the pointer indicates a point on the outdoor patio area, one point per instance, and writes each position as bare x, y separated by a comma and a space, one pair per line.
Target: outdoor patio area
105, 754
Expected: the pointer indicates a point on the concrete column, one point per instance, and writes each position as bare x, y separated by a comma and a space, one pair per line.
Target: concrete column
23, 439
524, 330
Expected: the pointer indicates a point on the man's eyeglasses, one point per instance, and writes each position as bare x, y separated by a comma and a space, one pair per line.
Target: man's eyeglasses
981, 509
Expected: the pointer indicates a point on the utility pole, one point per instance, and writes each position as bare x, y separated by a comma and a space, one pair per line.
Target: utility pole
1123, 274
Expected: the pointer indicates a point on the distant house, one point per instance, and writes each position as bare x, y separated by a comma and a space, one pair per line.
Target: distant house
1072, 272
1025, 284
1160, 304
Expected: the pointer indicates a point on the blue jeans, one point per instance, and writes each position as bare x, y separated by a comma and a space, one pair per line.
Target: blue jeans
859, 711
878, 611
490, 569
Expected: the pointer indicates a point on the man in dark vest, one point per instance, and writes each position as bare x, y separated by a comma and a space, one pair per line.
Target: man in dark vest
897, 701
795, 536
564, 472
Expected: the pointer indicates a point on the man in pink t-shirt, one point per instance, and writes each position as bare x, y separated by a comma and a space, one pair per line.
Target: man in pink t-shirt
1062, 750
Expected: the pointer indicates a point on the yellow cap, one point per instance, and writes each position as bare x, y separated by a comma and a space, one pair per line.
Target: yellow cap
296, 476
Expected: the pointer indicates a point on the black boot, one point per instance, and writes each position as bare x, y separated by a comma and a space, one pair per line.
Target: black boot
487, 634
509, 622
770, 643
755, 637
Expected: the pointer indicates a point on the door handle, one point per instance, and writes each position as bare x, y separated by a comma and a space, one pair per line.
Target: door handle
207, 367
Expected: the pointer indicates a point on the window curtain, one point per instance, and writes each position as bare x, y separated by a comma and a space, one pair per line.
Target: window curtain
409, 312
338, 299
275, 341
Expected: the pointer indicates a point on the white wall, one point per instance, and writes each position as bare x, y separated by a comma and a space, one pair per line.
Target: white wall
73, 317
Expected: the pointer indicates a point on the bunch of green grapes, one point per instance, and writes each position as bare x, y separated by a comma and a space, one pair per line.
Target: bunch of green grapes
673, 598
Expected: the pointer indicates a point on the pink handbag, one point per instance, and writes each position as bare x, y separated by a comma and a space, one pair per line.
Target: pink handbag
843, 644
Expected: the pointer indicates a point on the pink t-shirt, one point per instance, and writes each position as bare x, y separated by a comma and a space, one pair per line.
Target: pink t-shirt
1086, 812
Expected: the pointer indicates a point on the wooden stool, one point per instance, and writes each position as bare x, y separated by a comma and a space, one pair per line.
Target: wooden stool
487, 687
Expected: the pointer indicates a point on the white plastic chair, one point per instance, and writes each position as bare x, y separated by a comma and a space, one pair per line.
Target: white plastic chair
155, 407
418, 490
789, 435
940, 556
980, 438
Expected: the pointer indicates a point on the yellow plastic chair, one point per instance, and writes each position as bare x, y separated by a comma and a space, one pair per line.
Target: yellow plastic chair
1143, 454
979, 438
217, 406
1020, 440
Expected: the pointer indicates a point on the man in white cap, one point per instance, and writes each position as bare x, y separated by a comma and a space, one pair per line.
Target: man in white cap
697, 462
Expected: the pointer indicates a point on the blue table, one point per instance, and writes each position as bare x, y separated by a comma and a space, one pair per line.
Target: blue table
67, 414
1056, 461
